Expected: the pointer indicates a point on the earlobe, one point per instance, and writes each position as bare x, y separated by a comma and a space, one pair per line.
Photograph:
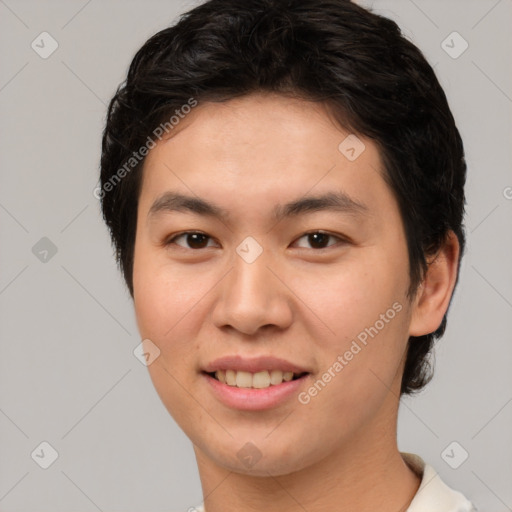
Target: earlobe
435, 291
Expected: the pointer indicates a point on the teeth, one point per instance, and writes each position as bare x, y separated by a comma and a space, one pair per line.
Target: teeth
230, 378
221, 376
276, 377
243, 379
259, 380
287, 376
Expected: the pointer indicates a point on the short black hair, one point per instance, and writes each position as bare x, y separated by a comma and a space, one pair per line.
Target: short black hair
373, 80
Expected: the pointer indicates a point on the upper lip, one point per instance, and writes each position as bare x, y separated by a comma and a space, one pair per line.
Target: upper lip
253, 364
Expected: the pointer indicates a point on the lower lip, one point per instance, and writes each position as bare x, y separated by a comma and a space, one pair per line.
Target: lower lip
250, 399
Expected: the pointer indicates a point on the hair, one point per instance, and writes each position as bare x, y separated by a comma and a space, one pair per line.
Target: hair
373, 81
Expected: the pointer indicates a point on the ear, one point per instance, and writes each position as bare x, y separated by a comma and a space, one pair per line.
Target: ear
435, 291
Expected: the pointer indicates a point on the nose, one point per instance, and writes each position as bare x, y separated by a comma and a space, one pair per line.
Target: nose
251, 297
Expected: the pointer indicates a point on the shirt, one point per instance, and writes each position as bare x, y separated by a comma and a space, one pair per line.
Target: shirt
433, 495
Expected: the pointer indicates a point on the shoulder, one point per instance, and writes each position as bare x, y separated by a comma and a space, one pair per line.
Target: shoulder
433, 493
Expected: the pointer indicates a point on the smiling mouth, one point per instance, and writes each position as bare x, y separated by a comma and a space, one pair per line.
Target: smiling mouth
258, 380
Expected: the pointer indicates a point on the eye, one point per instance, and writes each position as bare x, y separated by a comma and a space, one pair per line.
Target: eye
193, 239
319, 239
197, 240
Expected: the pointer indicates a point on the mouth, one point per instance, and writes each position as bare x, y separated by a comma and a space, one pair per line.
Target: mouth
255, 383
258, 380
255, 391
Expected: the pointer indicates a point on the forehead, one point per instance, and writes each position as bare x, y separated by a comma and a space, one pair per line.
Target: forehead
262, 148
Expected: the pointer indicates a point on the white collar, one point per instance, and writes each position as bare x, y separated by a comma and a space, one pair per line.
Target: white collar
433, 494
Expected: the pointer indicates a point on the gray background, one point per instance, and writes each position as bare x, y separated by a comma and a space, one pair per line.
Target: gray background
68, 375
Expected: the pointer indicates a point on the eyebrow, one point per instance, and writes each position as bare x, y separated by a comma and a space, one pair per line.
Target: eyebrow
333, 201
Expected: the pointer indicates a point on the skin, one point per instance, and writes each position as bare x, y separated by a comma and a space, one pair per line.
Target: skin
295, 301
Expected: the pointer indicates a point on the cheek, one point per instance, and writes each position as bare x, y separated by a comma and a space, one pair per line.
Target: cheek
351, 296
160, 292
365, 311
170, 307
166, 309
359, 371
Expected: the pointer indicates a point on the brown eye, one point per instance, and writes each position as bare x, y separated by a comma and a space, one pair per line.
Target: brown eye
192, 239
319, 240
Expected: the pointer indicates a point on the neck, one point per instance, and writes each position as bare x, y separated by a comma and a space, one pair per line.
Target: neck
365, 474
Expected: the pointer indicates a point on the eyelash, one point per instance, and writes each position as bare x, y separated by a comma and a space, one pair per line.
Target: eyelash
171, 241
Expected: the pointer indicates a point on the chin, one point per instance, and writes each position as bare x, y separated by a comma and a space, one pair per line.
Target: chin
261, 459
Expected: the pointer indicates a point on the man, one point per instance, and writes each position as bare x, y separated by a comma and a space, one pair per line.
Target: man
284, 186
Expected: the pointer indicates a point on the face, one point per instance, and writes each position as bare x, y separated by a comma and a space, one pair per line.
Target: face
288, 261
